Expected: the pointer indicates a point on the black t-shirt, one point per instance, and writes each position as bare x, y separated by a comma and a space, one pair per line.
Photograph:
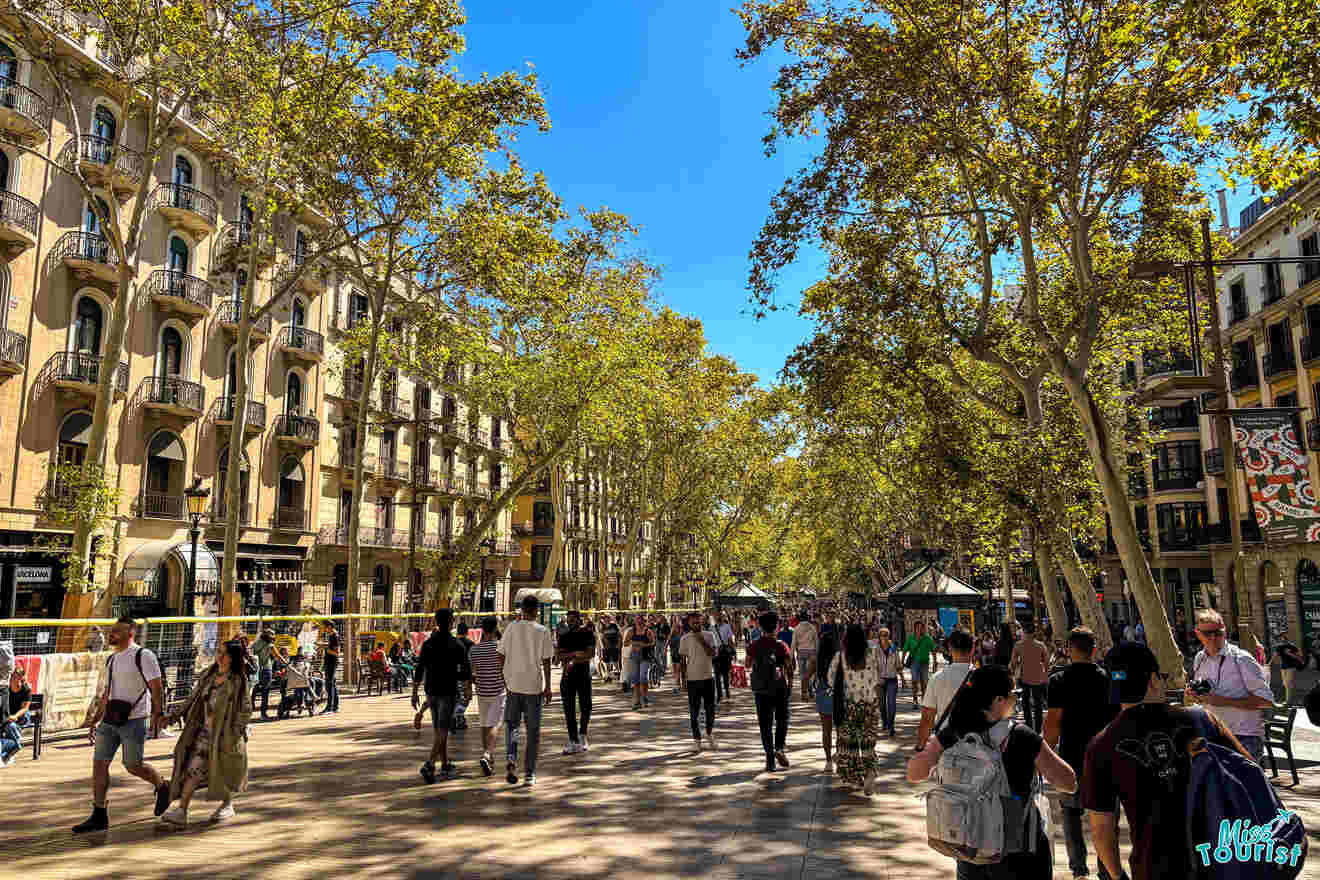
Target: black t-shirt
16, 699
443, 663
1141, 759
612, 635
1019, 754
1081, 690
331, 644
573, 641
1285, 660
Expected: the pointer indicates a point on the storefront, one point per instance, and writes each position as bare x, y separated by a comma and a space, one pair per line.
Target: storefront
268, 578
31, 576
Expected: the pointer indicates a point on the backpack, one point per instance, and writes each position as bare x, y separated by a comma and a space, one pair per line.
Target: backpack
1312, 703
971, 813
1227, 793
767, 676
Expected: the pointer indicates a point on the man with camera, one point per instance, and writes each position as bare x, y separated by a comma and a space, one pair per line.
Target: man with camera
1230, 682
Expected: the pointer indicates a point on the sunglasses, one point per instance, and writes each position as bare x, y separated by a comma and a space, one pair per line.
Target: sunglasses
1211, 633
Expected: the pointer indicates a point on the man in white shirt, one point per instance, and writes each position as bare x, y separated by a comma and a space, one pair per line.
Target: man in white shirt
725, 650
944, 685
526, 651
132, 694
1239, 687
805, 642
696, 652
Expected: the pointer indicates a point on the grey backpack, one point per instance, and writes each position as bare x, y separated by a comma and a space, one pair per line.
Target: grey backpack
6, 659
971, 813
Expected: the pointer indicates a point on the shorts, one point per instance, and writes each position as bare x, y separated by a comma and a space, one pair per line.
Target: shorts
491, 709
824, 699
133, 735
442, 712
921, 671
639, 670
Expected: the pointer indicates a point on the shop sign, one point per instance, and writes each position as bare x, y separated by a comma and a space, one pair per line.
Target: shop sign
33, 574
1276, 615
1308, 600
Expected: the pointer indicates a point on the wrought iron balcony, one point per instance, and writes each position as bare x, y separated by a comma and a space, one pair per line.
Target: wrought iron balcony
448, 431
1187, 538
186, 206
431, 541
237, 239
1214, 461
23, 112
172, 394
226, 409
290, 518
13, 352
161, 505
101, 163
1276, 363
393, 405
1243, 377
453, 484
18, 222
351, 388
77, 371
230, 312
504, 547
302, 343
89, 257
297, 430
392, 470
383, 537
219, 510
180, 292
333, 536
478, 489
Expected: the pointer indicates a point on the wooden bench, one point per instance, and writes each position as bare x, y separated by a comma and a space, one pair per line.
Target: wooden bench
1278, 734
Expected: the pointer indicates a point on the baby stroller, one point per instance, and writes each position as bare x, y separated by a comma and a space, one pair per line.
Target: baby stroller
302, 691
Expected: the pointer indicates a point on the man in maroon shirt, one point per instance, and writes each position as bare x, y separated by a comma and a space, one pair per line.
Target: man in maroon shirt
772, 693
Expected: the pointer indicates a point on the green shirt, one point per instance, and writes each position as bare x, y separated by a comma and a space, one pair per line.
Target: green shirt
919, 648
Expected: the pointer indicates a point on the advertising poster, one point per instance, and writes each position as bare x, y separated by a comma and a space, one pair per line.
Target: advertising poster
1281, 492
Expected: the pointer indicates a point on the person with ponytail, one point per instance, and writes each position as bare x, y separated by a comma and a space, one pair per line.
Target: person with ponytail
984, 707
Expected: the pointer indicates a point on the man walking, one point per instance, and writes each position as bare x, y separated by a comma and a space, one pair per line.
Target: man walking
918, 651
805, 642
945, 685
1079, 708
442, 664
725, 650
1031, 659
576, 648
527, 650
487, 671
330, 666
770, 674
696, 652
263, 650
132, 694
1239, 688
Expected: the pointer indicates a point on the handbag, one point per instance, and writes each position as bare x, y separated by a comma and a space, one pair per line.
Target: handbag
117, 711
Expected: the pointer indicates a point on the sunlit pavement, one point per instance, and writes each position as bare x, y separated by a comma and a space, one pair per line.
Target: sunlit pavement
340, 796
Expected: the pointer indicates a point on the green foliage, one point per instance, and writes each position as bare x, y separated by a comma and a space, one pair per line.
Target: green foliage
79, 497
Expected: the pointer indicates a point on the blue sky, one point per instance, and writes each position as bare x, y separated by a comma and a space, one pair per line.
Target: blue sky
652, 116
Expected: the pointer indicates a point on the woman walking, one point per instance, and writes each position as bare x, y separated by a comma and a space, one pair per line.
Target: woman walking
891, 678
856, 672
1004, 647
826, 651
212, 750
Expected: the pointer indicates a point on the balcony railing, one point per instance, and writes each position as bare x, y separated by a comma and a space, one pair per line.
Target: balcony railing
424, 477
303, 428
181, 285
290, 517
1177, 478
13, 347
74, 366
172, 391
432, 541
394, 405
384, 537
1278, 362
302, 339
229, 313
478, 489
19, 99
219, 509
187, 198
1185, 538
162, 505
1218, 533
227, 409
96, 150
1214, 461
393, 469
1243, 377
18, 211
1182, 418
91, 247
447, 431
507, 548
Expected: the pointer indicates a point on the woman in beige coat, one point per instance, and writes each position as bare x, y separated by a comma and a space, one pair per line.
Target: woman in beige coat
212, 750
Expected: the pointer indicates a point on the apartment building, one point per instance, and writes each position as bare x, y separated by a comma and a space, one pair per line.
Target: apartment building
594, 548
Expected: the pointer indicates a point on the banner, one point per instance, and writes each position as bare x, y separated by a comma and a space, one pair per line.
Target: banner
1285, 505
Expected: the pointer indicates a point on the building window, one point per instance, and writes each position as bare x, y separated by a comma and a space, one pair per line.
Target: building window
8, 63
1237, 298
293, 394
291, 484
178, 256
1176, 465
543, 518
540, 561
1181, 525
88, 319
1163, 418
104, 125
1309, 247
183, 171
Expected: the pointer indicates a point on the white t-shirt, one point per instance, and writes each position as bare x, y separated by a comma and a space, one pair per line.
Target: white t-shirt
127, 685
700, 665
942, 687
805, 636
525, 646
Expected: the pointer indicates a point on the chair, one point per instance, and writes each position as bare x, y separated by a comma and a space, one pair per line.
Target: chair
36, 715
1278, 734
378, 674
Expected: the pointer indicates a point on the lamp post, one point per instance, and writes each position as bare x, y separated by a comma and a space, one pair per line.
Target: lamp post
196, 496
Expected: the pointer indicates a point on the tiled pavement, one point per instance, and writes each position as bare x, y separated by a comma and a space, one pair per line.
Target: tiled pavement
340, 796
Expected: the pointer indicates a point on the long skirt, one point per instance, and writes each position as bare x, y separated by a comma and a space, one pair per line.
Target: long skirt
855, 755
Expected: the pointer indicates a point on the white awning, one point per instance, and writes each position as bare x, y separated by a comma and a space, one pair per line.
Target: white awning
143, 563
543, 595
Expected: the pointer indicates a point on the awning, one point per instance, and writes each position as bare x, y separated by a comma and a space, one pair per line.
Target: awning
144, 562
292, 469
546, 596
930, 587
166, 445
77, 428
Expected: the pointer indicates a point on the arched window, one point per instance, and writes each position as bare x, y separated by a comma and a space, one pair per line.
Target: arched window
164, 480
178, 254
291, 485
74, 435
298, 317
103, 123
87, 322
183, 171
293, 394
8, 63
171, 353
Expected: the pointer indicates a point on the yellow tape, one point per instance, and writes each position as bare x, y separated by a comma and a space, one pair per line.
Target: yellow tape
36, 623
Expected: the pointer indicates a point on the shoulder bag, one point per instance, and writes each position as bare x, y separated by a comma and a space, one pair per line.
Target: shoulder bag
117, 711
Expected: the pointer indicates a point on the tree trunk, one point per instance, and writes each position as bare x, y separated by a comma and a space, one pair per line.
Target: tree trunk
557, 506
1159, 633
233, 477
1084, 597
1049, 585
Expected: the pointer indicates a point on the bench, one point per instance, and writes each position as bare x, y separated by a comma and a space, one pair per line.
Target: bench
1278, 734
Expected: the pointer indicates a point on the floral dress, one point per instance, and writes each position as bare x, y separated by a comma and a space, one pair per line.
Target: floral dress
200, 755
856, 738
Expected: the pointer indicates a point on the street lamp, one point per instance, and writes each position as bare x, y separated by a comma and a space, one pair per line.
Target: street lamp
196, 496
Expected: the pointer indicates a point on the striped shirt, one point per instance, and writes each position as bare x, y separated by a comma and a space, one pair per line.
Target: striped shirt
485, 660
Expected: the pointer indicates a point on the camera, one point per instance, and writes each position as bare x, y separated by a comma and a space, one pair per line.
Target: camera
1200, 686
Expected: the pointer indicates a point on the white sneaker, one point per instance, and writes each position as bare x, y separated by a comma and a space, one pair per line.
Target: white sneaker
529, 780
175, 816
710, 742
572, 748
583, 744
223, 812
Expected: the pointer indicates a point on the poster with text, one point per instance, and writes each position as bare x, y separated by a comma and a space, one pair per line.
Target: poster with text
1281, 493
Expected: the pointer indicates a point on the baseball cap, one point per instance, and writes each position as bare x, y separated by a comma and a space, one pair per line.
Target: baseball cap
1130, 665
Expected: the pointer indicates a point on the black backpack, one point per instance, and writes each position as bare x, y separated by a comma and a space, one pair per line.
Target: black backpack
1312, 703
767, 675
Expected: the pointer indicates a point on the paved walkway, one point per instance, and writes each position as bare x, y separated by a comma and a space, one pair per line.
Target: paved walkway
340, 796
